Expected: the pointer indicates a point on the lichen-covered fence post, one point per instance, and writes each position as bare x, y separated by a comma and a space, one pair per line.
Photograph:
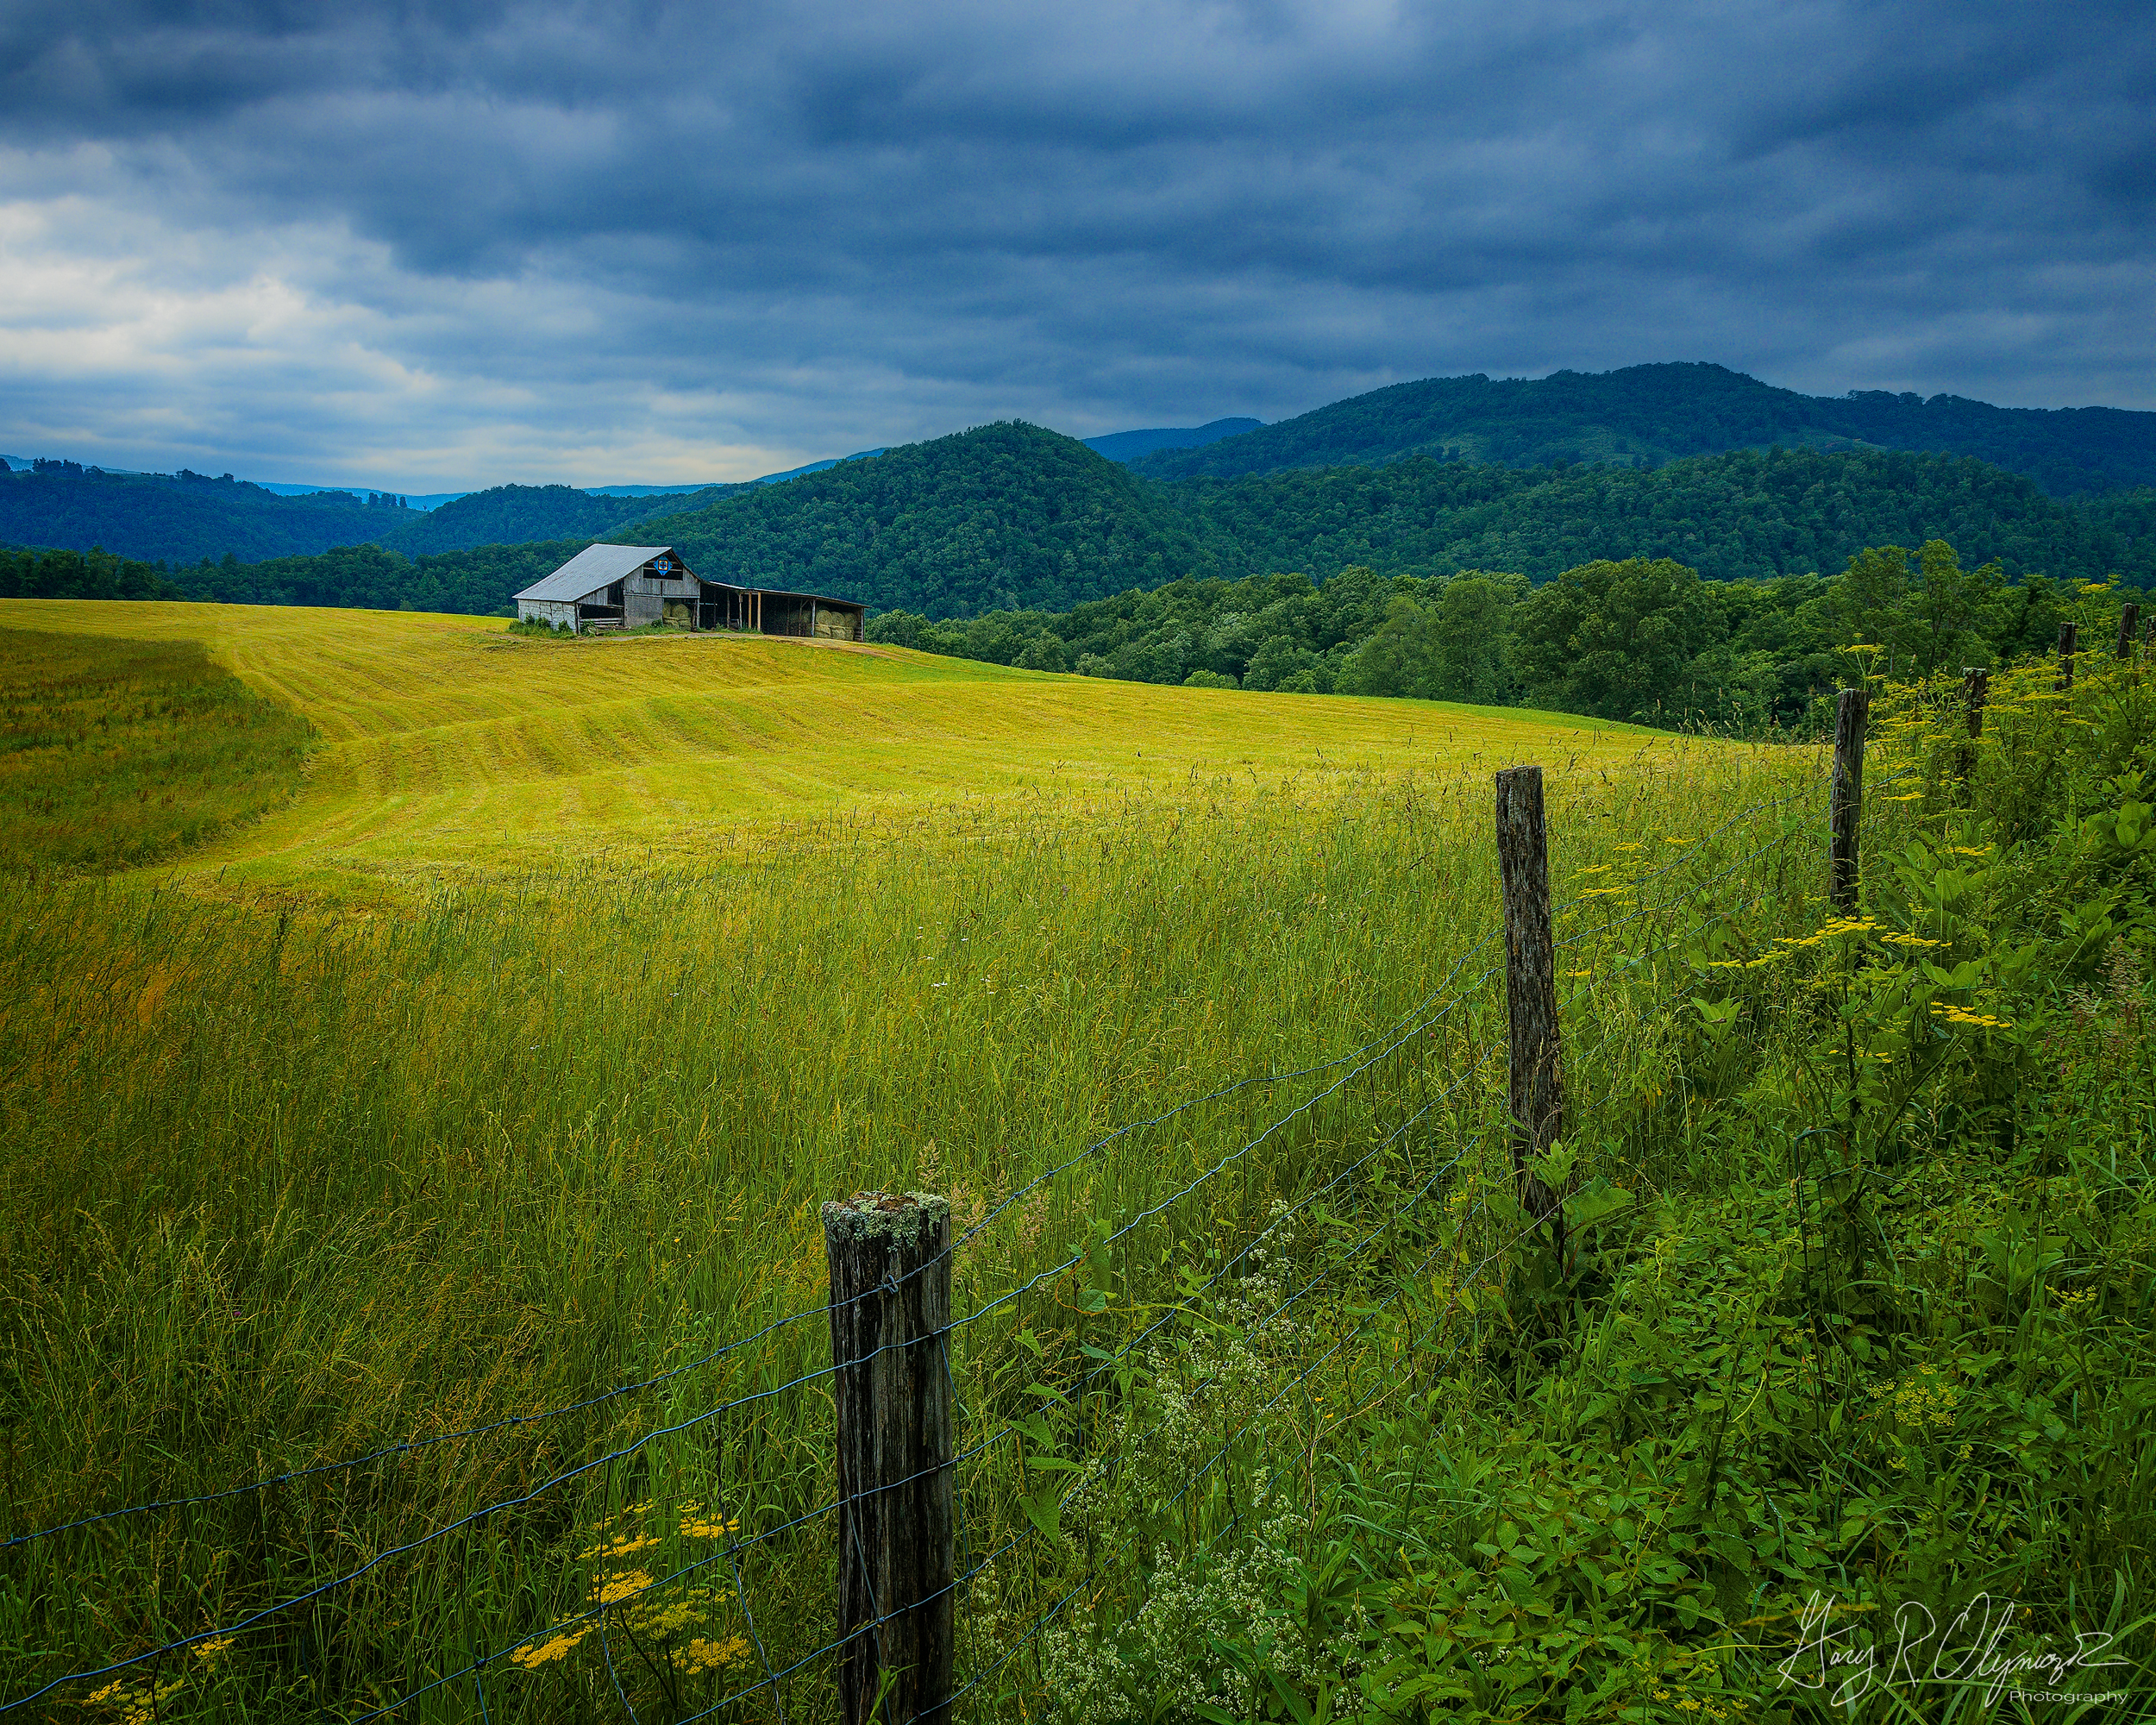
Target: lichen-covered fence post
1537, 1089
1844, 804
2068, 644
890, 1269
1976, 688
2129, 616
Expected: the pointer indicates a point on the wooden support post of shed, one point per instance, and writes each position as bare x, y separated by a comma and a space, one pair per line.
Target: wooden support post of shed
1845, 799
1537, 1091
2127, 617
890, 1294
2068, 640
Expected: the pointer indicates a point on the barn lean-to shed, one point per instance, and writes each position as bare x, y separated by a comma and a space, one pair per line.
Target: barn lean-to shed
626, 586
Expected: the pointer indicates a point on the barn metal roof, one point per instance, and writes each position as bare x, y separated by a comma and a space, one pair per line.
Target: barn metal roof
594, 567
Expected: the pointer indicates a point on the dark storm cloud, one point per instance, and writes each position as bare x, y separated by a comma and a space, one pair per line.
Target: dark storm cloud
823, 226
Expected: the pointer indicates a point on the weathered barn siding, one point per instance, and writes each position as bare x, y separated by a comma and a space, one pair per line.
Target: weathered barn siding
651, 597
553, 613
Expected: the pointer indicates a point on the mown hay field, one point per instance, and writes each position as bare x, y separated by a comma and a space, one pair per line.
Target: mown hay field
511, 1061
452, 749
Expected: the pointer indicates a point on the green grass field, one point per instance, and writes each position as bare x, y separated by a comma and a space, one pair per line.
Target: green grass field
454, 749
117, 754
512, 1061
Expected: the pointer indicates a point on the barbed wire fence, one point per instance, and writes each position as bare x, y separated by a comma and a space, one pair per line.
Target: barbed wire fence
1052, 1379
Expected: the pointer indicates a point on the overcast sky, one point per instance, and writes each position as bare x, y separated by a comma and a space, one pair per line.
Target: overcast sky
435, 246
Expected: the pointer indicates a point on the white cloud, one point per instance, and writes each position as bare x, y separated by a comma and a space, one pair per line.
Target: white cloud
432, 247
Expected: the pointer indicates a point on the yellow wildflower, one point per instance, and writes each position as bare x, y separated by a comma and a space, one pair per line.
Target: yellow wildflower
210, 1648
670, 1618
137, 1702
545, 1652
610, 1589
1961, 1015
607, 1550
701, 1655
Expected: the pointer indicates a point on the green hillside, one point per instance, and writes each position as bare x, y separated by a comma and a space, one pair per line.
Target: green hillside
513, 514
1012, 518
187, 518
183, 518
1004, 515
1646, 415
1750, 514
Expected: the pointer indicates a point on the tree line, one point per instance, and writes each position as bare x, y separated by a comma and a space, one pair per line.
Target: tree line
476, 582
1643, 639
1643, 416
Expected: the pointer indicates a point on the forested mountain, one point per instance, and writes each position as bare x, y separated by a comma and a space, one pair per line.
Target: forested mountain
509, 515
186, 518
1004, 515
1752, 514
1011, 516
1646, 415
183, 518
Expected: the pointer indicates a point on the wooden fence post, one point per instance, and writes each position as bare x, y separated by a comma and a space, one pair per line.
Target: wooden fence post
890, 1268
2068, 640
2128, 616
1976, 685
1531, 992
1845, 798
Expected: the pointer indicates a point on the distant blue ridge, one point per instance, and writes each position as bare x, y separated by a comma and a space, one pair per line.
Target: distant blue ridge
1128, 446
1117, 446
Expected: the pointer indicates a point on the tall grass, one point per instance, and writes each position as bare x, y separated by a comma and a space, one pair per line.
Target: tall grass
280, 1188
1272, 1407
116, 754
1844, 1407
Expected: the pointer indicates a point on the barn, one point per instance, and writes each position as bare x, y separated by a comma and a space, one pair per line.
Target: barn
627, 587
